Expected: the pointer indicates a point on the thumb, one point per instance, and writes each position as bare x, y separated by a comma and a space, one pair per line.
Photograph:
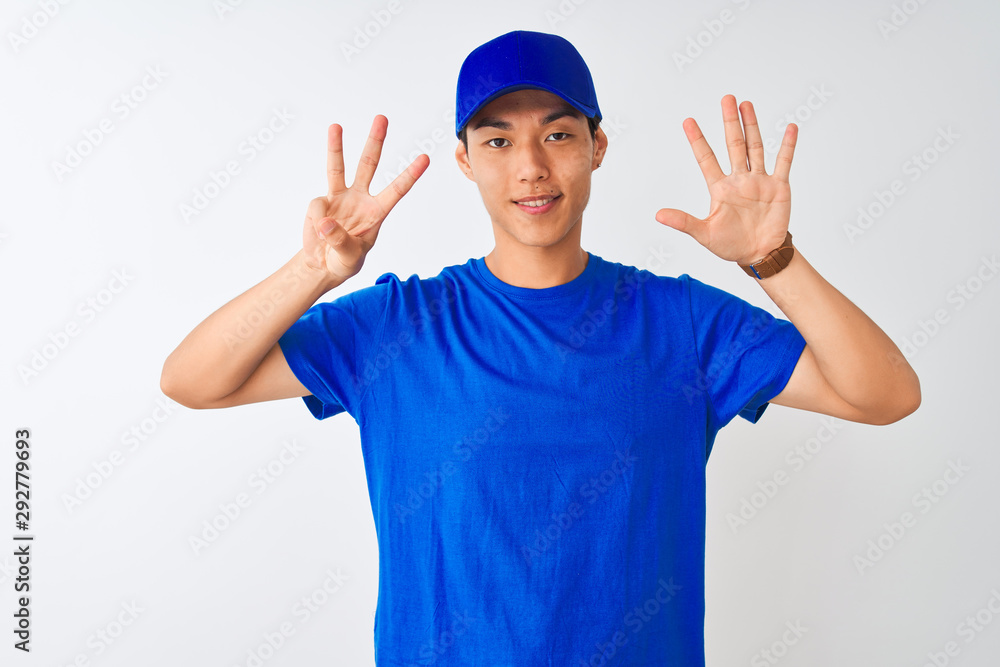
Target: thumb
331, 231
326, 225
682, 222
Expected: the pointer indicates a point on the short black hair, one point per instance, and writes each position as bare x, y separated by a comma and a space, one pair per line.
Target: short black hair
592, 123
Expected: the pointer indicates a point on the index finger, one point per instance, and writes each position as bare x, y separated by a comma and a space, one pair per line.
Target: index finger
783, 163
335, 159
400, 185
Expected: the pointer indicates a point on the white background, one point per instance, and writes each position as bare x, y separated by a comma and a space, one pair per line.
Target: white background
884, 94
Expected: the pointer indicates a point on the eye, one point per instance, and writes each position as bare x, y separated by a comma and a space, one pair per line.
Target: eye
563, 135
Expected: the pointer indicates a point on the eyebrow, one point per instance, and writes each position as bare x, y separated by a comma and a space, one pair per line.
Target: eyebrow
500, 124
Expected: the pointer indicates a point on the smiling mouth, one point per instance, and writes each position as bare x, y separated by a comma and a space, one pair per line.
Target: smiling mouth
537, 202
538, 205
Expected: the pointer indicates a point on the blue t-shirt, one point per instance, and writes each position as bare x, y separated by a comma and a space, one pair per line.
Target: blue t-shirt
536, 457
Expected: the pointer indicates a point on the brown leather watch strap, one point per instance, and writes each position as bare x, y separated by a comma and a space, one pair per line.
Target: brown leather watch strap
775, 260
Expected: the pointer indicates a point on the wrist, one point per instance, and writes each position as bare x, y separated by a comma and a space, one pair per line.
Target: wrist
317, 280
770, 263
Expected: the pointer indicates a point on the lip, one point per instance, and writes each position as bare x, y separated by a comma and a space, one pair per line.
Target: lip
538, 210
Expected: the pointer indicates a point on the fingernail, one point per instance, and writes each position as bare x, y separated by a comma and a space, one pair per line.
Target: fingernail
326, 226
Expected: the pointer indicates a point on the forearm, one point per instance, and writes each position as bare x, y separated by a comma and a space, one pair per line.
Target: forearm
219, 355
858, 360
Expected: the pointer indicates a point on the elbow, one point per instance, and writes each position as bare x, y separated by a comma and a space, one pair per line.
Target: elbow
913, 398
905, 406
174, 390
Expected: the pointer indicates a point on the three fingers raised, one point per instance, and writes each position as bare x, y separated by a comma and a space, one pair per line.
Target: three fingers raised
369, 162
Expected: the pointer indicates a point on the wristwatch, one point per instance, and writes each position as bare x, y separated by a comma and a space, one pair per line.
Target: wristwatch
775, 260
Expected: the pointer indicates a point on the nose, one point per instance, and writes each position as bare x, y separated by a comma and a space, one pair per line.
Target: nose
532, 163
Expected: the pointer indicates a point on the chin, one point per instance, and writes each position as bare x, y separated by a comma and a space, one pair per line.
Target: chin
541, 237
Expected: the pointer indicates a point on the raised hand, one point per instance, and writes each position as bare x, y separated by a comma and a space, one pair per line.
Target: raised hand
750, 210
341, 227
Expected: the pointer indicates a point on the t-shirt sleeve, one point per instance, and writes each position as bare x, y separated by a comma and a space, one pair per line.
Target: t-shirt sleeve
330, 347
745, 354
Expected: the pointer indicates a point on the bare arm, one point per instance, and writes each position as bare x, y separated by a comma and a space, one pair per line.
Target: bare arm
233, 357
849, 367
219, 356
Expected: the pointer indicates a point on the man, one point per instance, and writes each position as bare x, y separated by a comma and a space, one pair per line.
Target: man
536, 423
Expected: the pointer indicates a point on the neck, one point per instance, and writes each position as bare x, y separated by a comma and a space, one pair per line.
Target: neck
537, 267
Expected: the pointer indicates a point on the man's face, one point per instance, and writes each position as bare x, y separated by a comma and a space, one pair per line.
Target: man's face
531, 144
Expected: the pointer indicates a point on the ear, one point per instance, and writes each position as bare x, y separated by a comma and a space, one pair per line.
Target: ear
462, 157
600, 148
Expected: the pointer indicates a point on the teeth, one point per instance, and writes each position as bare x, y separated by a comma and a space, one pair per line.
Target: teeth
535, 204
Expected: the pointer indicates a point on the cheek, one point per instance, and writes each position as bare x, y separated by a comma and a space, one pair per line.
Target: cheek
579, 162
492, 186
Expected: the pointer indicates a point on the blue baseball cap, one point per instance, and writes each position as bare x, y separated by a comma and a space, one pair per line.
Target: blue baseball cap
523, 59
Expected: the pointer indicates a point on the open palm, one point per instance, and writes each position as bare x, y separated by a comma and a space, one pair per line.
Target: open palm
750, 209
